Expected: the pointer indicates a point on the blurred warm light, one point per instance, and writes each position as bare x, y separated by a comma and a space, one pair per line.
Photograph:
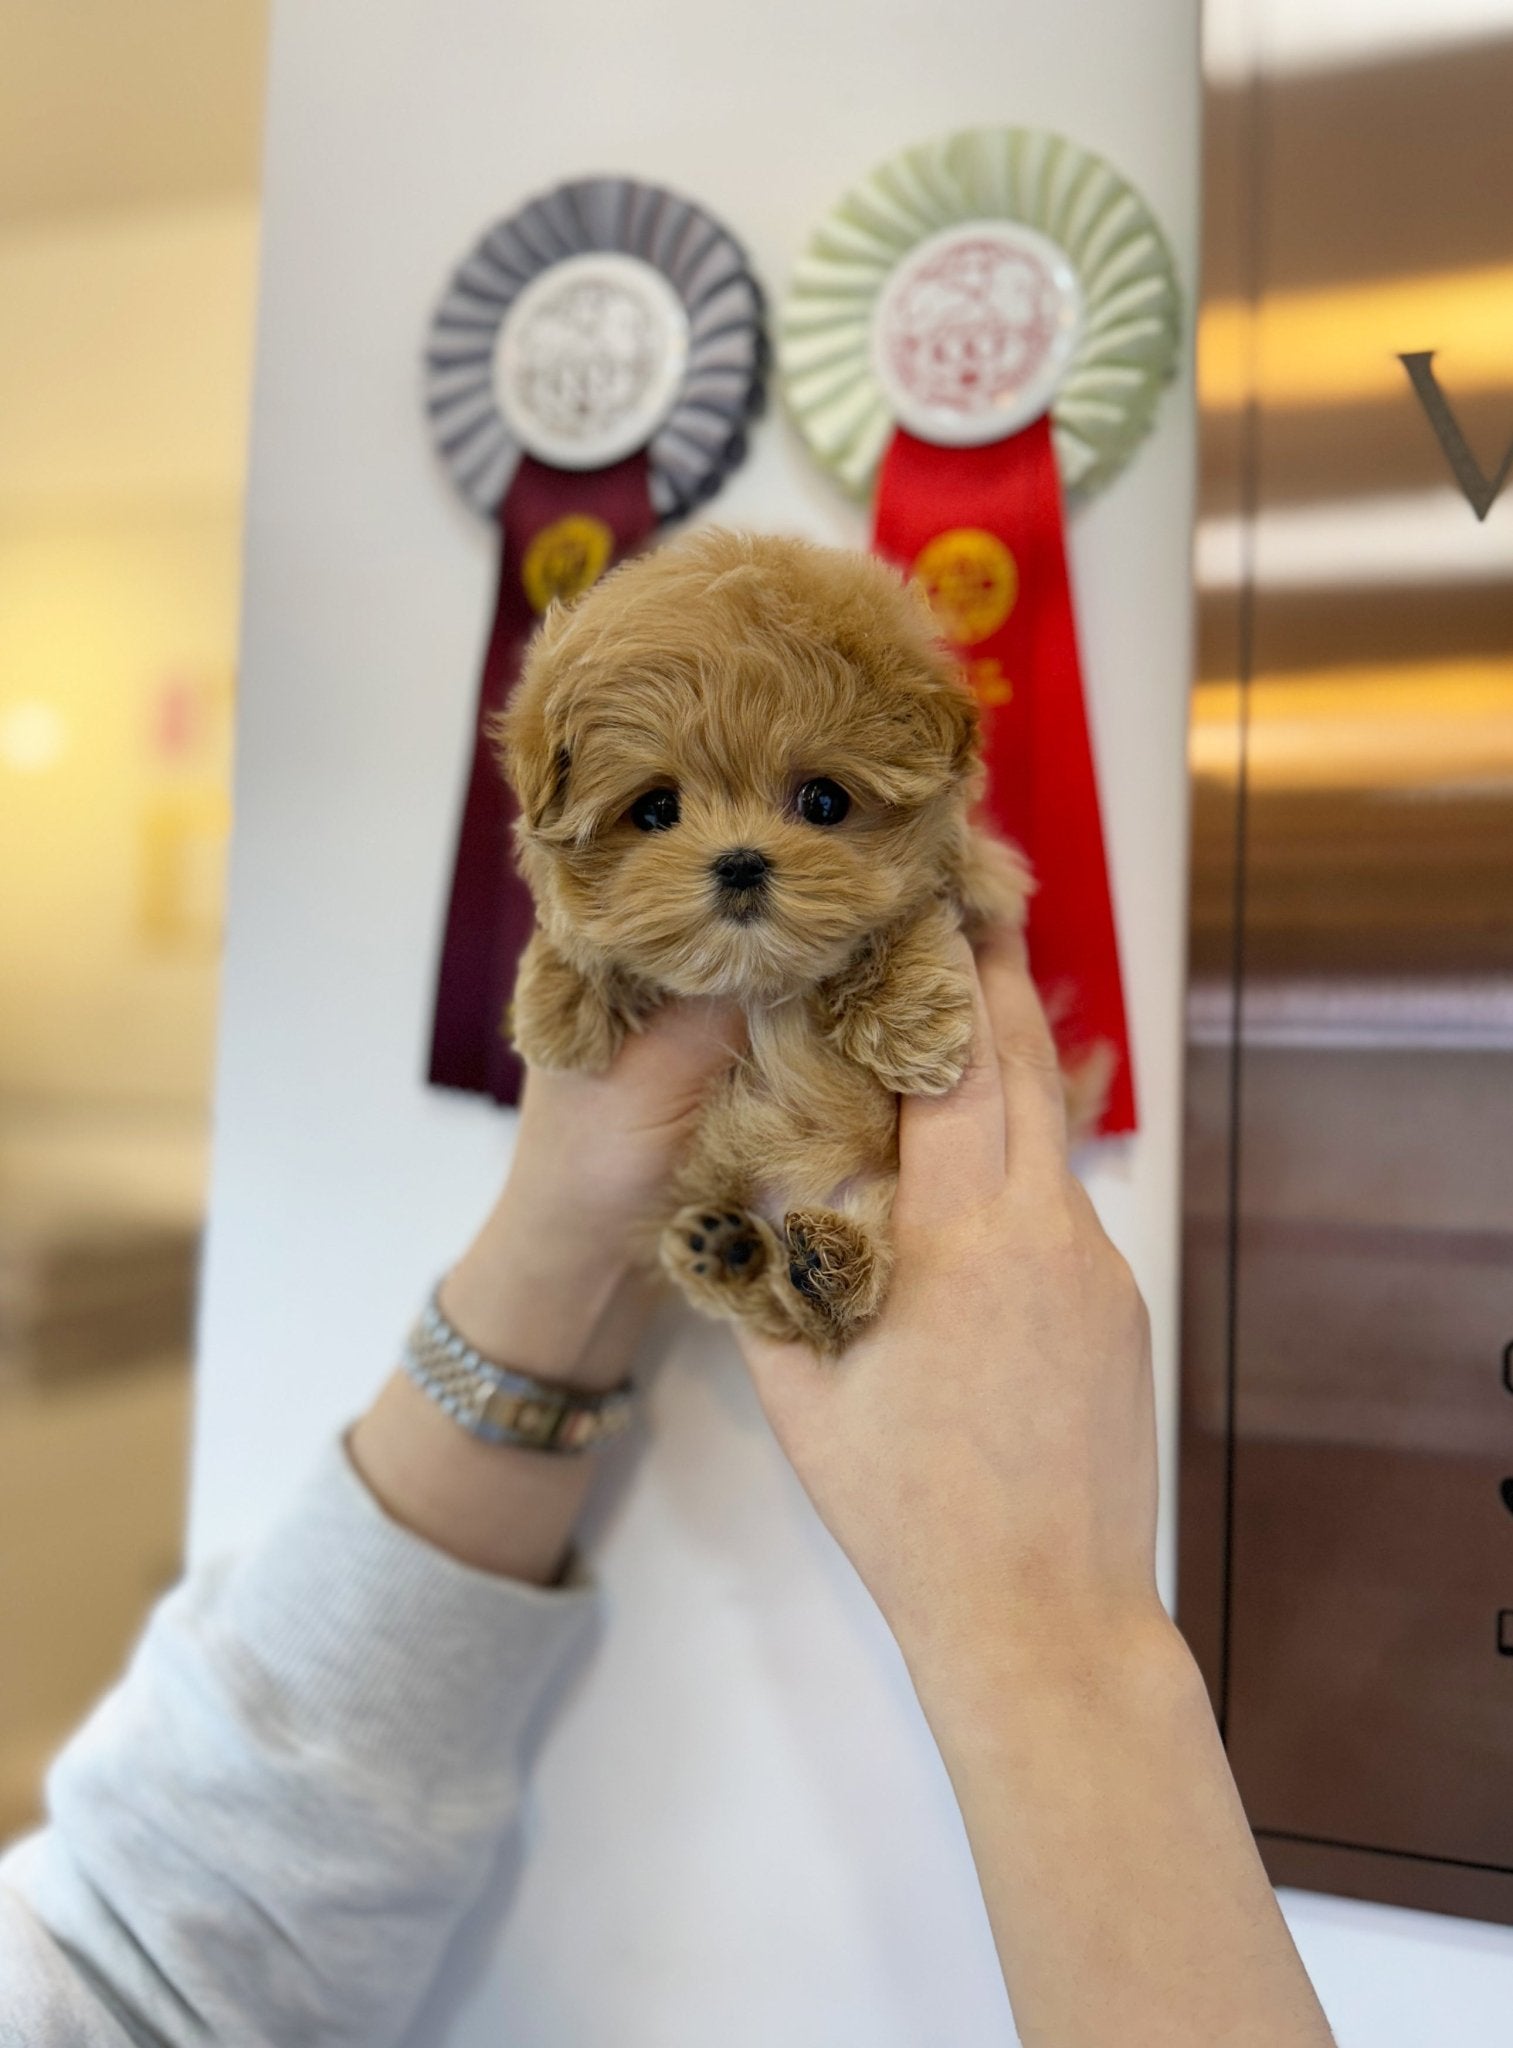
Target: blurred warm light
1395, 538
1300, 35
1340, 346
32, 736
1437, 726
128, 241
126, 357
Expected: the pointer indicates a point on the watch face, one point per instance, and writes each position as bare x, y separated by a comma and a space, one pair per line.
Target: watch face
590, 358
974, 331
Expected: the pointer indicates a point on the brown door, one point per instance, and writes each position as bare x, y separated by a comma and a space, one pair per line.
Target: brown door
1346, 1560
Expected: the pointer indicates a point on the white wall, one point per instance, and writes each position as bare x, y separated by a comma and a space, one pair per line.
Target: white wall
741, 1832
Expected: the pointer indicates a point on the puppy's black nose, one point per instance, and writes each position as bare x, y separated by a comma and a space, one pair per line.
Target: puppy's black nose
742, 868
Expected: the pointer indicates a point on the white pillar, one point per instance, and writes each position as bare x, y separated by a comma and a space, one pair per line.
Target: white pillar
741, 1833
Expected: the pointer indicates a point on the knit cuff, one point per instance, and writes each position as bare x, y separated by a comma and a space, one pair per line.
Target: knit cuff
359, 1637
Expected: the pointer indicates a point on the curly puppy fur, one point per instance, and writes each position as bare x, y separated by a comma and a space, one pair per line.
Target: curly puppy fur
732, 671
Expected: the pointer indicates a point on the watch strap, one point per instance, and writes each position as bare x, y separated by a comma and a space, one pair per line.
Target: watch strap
501, 1405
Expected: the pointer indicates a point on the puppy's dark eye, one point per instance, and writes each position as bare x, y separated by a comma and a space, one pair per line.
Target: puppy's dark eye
823, 802
657, 811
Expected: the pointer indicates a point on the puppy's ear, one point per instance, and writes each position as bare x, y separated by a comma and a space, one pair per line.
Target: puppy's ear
945, 714
532, 751
960, 718
947, 700
530, 734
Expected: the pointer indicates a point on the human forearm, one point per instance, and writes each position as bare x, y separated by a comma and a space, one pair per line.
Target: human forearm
562, 1305
986, 1455
550, 1286
271, 1828
1124, 1890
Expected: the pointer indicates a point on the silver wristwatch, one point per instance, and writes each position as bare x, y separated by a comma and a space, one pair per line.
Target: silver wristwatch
503, 1406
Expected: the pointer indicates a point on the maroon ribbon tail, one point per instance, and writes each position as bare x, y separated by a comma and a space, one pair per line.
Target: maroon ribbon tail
490, 915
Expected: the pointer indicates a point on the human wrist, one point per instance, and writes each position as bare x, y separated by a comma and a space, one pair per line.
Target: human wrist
1120, 1651
551, 1304
501, 1509
550, 1295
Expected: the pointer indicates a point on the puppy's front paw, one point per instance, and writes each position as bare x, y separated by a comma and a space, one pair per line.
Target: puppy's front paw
558, 1018
918, 1037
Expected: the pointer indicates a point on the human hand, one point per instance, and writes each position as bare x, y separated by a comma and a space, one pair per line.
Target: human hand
592, 1155
547, 1286
985, 1453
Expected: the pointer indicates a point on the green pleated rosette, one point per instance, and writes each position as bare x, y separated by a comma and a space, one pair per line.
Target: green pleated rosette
1127, 348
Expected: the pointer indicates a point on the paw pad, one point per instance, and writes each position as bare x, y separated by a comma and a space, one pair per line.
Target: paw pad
721, 1245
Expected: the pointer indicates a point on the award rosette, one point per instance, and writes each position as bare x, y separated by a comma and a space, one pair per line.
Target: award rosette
981, 326
589, 375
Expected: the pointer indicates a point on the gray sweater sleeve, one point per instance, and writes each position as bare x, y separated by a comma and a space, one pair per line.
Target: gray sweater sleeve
271, 1828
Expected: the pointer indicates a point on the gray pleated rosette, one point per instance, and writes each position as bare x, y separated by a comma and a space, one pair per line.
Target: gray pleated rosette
700, 315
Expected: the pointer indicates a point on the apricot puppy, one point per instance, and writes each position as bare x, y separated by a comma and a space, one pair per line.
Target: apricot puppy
744, 767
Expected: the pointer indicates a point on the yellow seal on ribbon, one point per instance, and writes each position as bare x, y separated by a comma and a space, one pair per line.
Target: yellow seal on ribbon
565, 558
971, 580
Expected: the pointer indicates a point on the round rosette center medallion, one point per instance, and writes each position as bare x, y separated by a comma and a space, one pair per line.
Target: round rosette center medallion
974, 330
590, 359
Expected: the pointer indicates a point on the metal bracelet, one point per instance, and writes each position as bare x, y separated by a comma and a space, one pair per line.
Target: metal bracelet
502, 1406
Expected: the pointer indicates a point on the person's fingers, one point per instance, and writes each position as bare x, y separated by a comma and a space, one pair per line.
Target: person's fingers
779, 1371
1030, 1073
951, 1146
793, 1386
683, 1042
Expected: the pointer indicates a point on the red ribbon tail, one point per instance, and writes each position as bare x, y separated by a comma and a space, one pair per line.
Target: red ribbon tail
983, 530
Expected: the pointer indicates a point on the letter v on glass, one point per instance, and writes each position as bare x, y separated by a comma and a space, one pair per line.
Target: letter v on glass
1479, 490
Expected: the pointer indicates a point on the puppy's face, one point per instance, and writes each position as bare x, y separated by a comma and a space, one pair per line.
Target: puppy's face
735, 759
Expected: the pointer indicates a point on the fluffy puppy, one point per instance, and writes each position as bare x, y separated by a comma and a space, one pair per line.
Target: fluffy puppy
744, 768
